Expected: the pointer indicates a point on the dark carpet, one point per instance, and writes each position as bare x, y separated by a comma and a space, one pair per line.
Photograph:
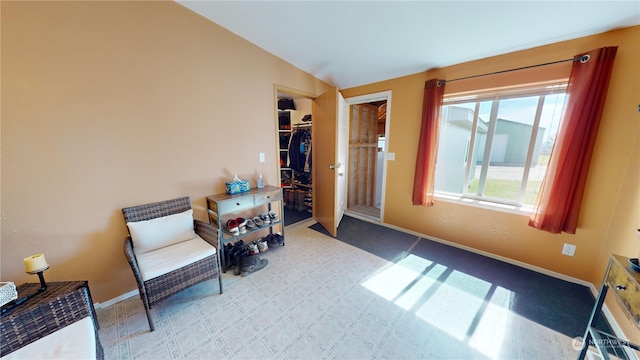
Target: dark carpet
384, 242
557, 304
293, 216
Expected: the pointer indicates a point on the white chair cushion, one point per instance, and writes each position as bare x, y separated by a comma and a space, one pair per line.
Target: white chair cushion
164, 260
75, 341
149, 235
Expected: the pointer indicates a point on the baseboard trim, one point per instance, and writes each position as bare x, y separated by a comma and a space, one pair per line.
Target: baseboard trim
116, 300
497, 257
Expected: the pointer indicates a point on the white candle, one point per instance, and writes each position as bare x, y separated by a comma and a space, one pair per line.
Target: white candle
35, 263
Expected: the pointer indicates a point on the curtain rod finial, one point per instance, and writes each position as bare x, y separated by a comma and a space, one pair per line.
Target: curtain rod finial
585, 58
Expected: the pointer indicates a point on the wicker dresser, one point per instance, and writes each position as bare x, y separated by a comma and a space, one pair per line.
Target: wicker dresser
61, 304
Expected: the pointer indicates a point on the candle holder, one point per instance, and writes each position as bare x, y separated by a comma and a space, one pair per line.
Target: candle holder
35, 264
43, 284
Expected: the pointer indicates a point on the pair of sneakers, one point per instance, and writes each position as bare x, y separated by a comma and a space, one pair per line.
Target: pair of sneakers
269, 217
265, 219
237, 226
251, 224
240, 225
256, 247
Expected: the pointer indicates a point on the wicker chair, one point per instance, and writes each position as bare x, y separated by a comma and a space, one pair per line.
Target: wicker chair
156, 289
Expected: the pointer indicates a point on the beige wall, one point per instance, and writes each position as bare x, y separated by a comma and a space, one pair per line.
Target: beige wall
113, 104
611, 207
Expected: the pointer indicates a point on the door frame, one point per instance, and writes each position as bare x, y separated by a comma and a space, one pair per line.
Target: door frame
364, 99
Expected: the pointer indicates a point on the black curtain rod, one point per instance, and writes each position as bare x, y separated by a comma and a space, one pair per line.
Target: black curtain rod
583, 59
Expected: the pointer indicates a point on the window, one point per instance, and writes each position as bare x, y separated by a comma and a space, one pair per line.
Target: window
495, 146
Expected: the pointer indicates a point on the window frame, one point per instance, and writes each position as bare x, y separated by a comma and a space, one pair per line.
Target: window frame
542, 90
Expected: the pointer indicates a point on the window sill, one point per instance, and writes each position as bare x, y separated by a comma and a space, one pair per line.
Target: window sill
525, 210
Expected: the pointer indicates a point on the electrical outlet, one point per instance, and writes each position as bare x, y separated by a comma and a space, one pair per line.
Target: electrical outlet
261, 157
568, 249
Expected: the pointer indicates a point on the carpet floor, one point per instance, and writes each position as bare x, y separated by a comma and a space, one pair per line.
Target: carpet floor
292, 216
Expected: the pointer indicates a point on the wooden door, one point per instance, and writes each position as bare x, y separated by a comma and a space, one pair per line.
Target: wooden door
324, 159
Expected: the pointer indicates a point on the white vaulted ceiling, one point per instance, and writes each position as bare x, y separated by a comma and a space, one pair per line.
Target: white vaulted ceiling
351, 43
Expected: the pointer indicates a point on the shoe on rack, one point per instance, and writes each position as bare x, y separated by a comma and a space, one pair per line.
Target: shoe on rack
238, 245
271, 240
265, 218
278, 238
252, 248
232, 226
229, 259
242, 225
251, 224
262, 245
273, 216
258, 221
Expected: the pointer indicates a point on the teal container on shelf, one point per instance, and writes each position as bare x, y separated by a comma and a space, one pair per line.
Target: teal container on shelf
237, 186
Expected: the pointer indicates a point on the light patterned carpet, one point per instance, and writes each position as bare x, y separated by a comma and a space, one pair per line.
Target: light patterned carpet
320, 298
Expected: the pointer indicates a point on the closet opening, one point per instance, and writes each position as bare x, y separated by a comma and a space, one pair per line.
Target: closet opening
294, 128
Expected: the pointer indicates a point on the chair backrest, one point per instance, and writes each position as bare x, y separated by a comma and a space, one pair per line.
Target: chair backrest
157, 209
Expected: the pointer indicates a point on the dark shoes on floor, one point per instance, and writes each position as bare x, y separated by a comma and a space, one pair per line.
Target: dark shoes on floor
243, 258
251, 264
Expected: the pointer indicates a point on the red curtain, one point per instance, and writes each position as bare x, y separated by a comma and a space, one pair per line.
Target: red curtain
563, 187
425, 175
